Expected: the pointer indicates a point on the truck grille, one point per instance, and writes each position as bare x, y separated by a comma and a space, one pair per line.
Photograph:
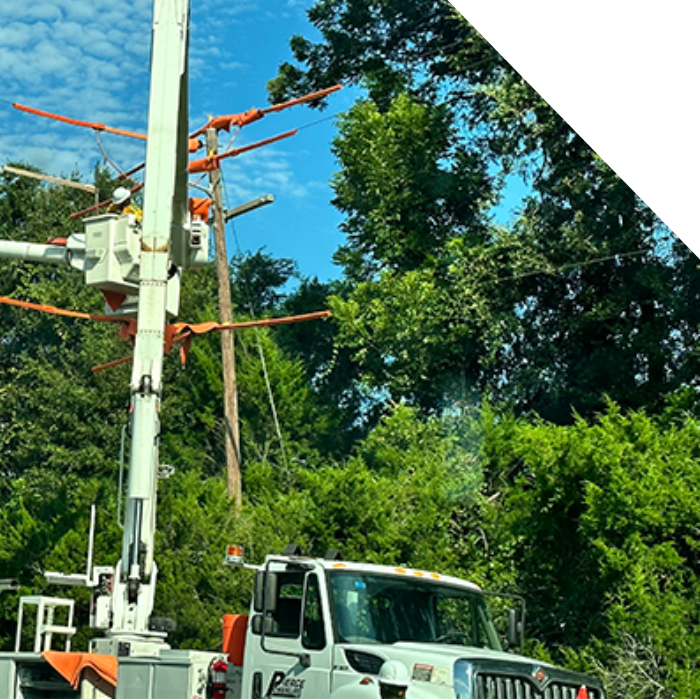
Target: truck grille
499, 686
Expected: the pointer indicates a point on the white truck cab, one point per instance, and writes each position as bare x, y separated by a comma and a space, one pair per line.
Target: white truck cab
319, 628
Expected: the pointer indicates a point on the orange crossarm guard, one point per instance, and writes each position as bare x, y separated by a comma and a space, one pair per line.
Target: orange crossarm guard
227, 121
174, 332
185, 332
199, 207
182, 330
303, 100
205, 165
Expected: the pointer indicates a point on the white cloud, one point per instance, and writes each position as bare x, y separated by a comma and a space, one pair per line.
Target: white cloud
16, 34
269, 169
85, 59
48, 11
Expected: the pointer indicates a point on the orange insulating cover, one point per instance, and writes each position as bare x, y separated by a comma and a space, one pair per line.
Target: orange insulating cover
79, 122
71, 665
174, 332
205, 165
234, 637
199, 207
114, 299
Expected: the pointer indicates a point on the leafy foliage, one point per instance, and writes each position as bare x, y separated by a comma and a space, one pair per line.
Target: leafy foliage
598, 519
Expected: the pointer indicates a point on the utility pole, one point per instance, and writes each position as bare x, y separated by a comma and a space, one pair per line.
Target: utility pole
228, 356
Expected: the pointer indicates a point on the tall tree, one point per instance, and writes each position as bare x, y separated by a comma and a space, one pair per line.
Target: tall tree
59, 423
412, 193
593, 284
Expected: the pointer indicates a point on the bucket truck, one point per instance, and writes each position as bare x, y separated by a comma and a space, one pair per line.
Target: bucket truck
326, 628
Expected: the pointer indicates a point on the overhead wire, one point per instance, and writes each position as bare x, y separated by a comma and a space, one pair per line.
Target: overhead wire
568, 266
233, 138
319, 121
105, 155
261, 353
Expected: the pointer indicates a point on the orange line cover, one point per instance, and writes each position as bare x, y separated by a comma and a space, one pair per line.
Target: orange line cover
174, 332
210, 163
226, 121
78, 122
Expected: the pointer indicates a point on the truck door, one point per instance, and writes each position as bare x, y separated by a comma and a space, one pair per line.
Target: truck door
298, 626
316, 639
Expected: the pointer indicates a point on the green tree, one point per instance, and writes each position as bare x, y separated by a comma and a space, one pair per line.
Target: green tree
413, 196
59, 422
597, 297
329, 367
55, 412
407, 186
387, 47
258, 281
281, 417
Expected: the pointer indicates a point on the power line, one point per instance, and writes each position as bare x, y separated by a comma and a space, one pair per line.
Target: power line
318, 121
105, 155
562, 268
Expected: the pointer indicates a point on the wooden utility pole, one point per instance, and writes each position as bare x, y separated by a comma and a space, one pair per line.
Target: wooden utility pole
228, 357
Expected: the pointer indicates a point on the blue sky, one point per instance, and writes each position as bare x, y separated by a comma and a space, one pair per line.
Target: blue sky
88, 59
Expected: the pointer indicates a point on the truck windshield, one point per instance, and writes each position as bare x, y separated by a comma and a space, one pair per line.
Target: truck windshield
383, 609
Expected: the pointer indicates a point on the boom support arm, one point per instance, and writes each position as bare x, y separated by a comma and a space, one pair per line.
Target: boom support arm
73, 253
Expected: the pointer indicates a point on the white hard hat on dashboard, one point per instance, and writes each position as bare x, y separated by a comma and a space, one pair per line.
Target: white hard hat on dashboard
393, 672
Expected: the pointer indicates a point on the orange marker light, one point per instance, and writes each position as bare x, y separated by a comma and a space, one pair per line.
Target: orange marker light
234, 555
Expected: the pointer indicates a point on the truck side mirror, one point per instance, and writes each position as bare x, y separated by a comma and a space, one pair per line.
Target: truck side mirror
516, 634
266, 588
258, 591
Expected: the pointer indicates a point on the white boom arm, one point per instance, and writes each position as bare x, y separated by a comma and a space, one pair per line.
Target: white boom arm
164, 215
